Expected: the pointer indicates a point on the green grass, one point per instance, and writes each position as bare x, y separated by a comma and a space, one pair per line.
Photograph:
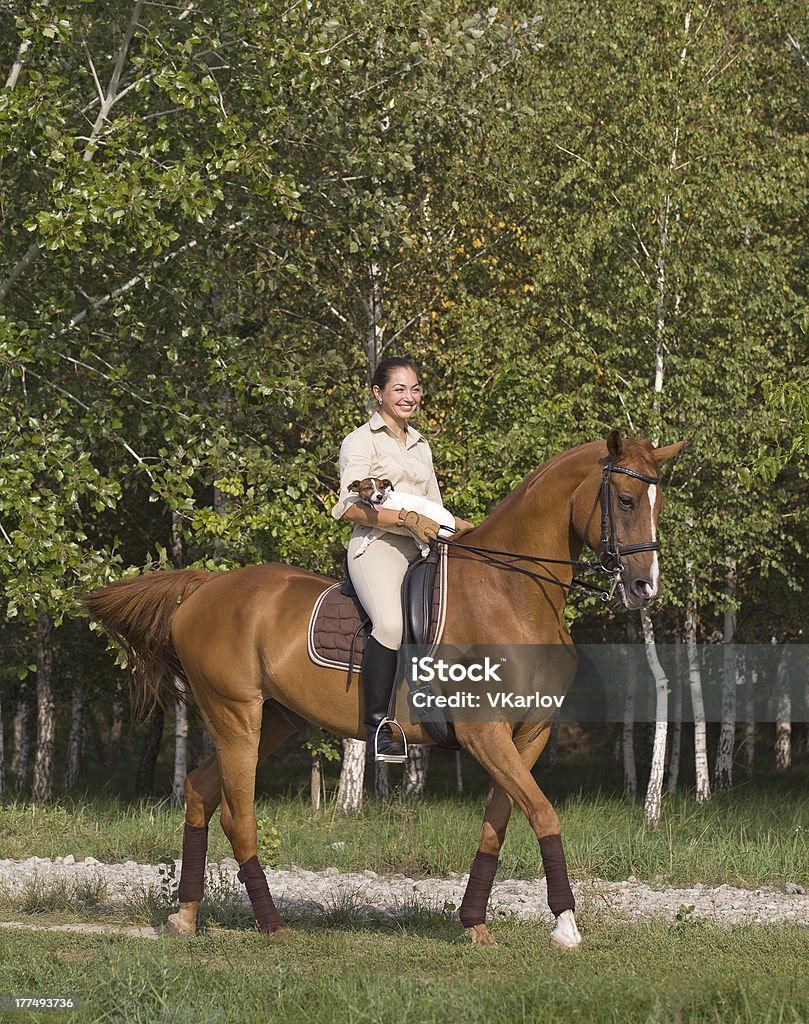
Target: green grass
422, 971
748, 837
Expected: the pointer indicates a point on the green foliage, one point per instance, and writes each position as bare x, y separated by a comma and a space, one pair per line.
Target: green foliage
196, 210
325, 746
269, 842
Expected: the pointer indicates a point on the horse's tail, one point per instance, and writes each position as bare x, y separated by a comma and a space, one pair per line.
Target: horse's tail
137, 613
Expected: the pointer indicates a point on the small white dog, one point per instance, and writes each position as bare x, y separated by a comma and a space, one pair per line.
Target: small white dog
376, 493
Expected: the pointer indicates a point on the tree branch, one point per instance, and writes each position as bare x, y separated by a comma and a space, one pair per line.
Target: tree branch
16, 67
797, 47
115, 79
109, 99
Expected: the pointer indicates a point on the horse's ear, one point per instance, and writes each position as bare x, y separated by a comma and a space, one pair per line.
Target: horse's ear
354, 486
614, 444
662, 454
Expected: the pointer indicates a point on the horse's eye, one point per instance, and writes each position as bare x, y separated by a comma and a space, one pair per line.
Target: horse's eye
625, 502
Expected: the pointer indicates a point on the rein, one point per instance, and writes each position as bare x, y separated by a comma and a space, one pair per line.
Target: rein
609, 559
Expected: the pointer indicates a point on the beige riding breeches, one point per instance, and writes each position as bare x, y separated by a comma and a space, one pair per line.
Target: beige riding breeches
377, 577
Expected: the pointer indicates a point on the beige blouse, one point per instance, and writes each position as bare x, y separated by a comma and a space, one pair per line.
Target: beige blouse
374, 450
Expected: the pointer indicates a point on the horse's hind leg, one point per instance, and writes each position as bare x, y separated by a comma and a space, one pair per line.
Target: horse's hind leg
203, 791
202, 788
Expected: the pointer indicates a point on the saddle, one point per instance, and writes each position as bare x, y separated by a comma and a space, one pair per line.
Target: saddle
338, 624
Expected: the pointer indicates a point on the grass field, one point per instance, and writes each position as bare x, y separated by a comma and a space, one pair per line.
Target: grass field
420, 968
421, 971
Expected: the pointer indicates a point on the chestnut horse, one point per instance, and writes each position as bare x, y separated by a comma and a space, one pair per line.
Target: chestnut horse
239, 641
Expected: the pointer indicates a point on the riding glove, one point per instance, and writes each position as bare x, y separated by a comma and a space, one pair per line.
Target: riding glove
422, 527
462, 526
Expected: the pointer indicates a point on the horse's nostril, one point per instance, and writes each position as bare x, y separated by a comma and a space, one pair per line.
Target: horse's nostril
643, 589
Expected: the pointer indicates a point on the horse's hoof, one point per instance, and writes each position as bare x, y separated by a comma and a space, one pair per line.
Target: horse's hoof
565, 935
480, 935
176, 926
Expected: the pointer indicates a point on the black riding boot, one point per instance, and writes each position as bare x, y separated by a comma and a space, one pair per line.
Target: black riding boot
378, 671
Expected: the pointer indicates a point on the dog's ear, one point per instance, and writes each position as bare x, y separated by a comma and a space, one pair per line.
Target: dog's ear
354, 485
386, 484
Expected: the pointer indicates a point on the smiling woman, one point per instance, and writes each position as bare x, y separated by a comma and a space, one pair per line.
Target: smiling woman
386, 447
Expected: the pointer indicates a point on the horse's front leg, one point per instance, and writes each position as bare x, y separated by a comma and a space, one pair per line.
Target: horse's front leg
508, 760
484, 867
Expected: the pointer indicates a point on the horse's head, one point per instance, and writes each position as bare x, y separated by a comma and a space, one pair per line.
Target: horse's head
616, 511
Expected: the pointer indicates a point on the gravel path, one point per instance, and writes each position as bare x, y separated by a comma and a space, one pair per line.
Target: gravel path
319, 892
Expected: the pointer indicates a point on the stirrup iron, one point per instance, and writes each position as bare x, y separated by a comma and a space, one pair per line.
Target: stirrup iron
389, 758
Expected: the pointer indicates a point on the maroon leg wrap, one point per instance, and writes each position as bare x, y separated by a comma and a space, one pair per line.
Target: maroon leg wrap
267, 917
478, 888
560, 895
192, 874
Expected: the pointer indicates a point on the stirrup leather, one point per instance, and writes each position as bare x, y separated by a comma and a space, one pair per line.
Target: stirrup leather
390, 758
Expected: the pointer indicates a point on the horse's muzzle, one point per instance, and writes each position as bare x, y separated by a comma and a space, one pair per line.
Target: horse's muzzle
639, 592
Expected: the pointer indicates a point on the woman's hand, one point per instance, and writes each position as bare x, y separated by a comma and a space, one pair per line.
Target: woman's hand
422, 527
462, 526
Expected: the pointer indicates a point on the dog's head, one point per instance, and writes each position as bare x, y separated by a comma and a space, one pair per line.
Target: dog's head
371, 490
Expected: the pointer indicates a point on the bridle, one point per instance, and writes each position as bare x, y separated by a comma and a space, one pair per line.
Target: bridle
609, 557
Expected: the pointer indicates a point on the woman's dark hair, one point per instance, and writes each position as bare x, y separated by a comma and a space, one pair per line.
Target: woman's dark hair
385, 369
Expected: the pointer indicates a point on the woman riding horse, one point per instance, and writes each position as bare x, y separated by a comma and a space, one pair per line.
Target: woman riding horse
386, 447
239, 641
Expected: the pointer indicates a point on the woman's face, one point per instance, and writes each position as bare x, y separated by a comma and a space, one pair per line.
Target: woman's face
401, 395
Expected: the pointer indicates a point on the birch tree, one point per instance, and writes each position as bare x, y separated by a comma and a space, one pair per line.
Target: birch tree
703, 785
723, 766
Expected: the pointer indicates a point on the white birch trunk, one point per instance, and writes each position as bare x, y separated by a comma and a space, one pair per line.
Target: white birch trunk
654, 791
414, 783
16, 68
21, 733
75, 741
655, 788
783, 716
180, 708
628, 728
352, 776
373, 309
180, 749
46, 712
677, 728
703, 784
723, 768
316, 784
749, 741
381, 780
